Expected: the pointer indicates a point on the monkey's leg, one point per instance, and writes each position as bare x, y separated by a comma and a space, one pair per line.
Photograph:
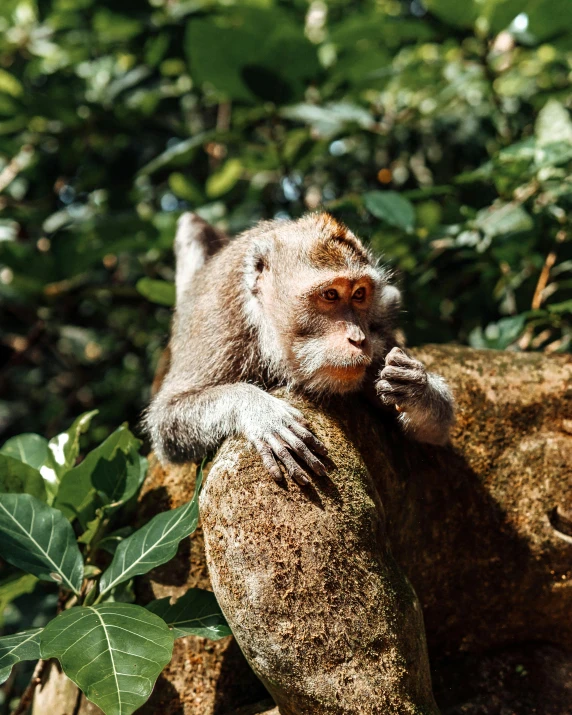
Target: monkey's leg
185, 424
424, 400
195, 242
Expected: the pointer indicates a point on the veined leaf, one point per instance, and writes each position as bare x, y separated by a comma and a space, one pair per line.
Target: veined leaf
17, 477
20, 646
197, 613
39, 539
29, 448
115, 468
114, 652
110, 542
154, 544
16, 585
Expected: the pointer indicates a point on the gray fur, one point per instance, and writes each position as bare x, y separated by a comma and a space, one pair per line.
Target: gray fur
231, 342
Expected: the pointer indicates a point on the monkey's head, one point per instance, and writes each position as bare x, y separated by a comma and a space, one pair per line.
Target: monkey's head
315, 292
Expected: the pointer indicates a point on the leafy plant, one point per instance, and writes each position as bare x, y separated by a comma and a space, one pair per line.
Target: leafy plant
111, 647
438, 130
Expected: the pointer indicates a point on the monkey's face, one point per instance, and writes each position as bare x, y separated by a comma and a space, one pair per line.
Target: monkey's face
331, 347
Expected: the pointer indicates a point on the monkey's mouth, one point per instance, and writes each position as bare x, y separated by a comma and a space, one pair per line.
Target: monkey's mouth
351, 372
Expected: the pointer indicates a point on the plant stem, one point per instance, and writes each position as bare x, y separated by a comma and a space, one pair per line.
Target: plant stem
28, 694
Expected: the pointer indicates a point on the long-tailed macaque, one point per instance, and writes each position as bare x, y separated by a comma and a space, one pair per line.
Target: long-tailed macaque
302, 304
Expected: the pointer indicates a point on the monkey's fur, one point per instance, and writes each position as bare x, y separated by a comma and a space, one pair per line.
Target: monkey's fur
295, 303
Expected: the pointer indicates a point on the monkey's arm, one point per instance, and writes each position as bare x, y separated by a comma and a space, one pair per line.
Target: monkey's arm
185, 423
423, 399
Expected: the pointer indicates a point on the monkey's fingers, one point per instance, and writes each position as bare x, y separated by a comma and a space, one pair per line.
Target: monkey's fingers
268, 460
399, 358
301, 450
404, 374
309, 439
293, 469
393, 393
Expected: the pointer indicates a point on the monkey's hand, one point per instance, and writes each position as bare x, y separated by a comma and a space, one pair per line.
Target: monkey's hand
422, 398
277, 430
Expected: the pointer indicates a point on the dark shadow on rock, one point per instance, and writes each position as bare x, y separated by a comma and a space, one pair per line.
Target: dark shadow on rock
468, 566
237, 686
164, 700
528, 679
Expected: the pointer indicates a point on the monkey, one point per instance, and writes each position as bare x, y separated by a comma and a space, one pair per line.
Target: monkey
296, 303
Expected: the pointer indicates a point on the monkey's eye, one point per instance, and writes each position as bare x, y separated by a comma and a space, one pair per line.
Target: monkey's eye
359, 295
331, 294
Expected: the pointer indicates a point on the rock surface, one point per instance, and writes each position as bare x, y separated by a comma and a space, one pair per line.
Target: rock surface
482, 529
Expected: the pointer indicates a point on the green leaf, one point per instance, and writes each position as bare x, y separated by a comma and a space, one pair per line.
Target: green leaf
549, 18
10, 85
179, 154
564, 307
15, 648
92, 527
112, 541
20, 478
64, 449
197, 613
154, 544
14, 586
28, 448
37, 538
224, 179
122, 593
499, 335
121, 473
500, 13
113, 652
392, 208
114, 468
503, 218
553, 123
266, 55
330, 119
459, 14
160, 292
185, 187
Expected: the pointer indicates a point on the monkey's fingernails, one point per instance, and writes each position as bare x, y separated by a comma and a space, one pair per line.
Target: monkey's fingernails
300, 478
320, 470
320, 448
268, 460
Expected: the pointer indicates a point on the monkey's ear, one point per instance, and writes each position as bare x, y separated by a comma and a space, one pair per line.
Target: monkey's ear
391, 298
256, 262
390, 304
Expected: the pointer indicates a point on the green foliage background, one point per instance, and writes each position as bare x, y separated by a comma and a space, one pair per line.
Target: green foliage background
440, 132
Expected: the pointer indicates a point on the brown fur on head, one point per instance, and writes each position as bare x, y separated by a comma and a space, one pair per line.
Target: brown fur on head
315, 290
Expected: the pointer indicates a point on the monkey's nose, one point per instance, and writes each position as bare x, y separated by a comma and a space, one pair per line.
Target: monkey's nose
358, 342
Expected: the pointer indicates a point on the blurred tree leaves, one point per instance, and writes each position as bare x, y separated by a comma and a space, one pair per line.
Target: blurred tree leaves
392, 208
439, 131
254, 54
